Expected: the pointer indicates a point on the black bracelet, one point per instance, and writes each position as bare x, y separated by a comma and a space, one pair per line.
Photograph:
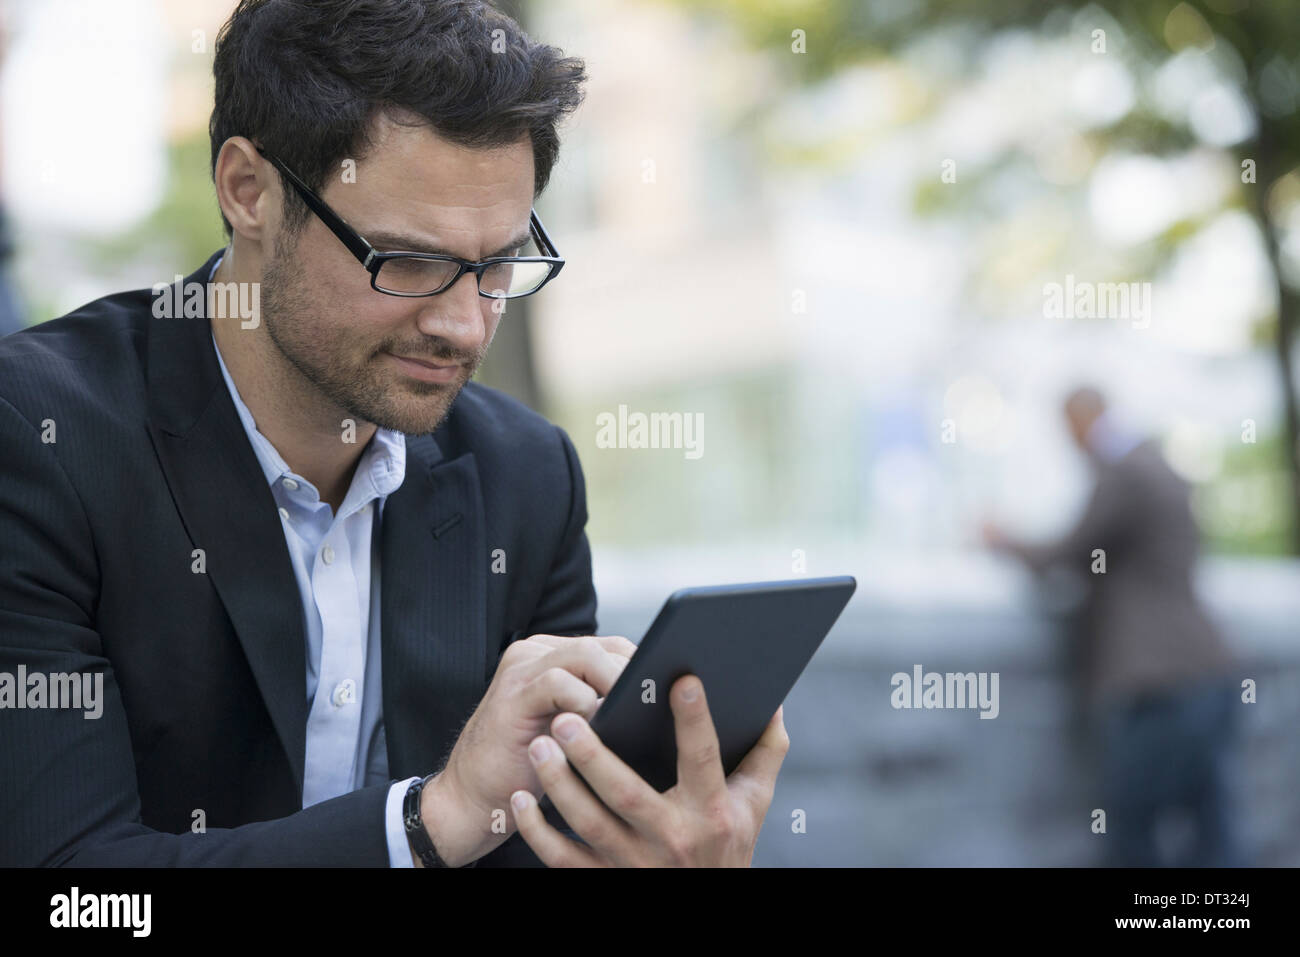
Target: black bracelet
415, 832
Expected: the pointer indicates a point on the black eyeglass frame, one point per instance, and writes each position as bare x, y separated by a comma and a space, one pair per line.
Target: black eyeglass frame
372, 260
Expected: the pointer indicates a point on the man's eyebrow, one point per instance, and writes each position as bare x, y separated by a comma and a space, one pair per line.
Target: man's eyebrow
397, 242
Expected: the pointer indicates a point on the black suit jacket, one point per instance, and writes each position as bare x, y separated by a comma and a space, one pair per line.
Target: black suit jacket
204, 673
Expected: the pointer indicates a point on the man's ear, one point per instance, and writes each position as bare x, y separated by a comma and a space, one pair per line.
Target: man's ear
248, 189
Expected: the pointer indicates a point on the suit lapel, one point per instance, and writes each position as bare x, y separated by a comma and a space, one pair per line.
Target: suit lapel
229, 512
433, 606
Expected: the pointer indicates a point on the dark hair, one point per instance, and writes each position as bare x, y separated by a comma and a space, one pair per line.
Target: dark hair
304, 79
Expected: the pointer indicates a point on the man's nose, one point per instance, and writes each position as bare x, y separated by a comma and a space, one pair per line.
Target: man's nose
456, 314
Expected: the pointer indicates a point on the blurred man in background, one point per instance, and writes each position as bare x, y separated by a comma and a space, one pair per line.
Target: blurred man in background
1156, 669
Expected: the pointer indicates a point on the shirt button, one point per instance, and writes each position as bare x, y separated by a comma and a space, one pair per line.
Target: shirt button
284, 514
345, 692
327, 554
290, 484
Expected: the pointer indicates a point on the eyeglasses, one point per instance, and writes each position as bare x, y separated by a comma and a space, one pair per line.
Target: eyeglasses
416, 274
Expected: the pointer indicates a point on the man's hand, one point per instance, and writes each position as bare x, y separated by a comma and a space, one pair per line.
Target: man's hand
705, 820
535, 679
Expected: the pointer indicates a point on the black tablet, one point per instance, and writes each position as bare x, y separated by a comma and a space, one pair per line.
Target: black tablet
747, 643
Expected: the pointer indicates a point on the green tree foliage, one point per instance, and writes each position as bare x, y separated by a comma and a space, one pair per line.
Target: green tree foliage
1260, 37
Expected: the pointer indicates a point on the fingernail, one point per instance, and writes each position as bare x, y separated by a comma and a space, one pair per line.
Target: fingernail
566, 729
540, 751
691, 692
520, 800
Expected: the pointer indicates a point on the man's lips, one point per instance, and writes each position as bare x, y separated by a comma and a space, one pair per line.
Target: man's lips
427, 362
425, 369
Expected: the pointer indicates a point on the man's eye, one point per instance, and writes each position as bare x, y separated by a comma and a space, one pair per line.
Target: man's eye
414, 267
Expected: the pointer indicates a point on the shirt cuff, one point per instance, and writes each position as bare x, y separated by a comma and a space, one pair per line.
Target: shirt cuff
399, 848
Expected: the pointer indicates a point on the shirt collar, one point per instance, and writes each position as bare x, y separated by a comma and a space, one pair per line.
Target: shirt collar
379, 473
1109, 441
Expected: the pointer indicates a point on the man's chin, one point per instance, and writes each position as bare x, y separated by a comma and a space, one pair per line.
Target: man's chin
414, 407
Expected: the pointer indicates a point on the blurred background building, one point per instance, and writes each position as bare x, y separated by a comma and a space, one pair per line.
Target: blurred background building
831, 228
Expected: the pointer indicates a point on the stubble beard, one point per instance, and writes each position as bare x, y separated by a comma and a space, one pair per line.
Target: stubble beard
372, 392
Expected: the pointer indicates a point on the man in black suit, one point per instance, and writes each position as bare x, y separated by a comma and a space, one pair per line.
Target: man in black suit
332, 600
